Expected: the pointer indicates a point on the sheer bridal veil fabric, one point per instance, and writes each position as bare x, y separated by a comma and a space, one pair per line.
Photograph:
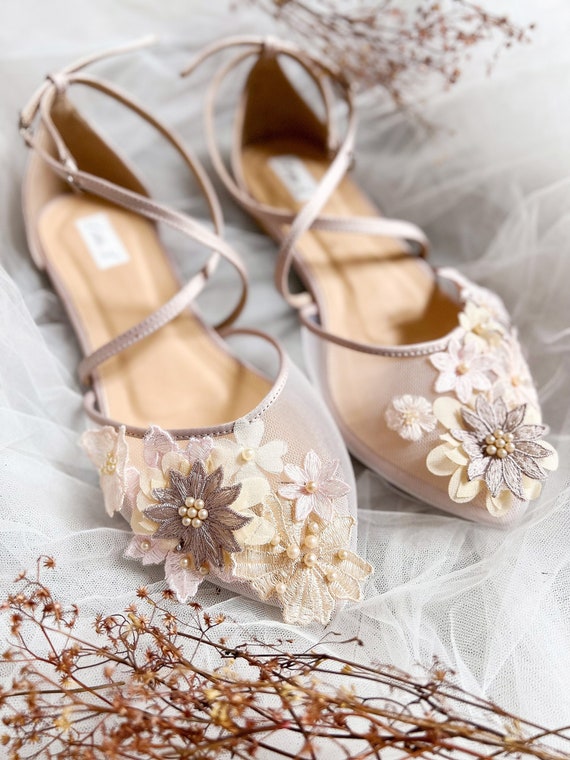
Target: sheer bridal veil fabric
490, 185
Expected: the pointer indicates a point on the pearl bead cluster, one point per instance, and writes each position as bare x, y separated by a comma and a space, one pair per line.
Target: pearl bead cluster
310, 557
110, 465
499, 444
193, 512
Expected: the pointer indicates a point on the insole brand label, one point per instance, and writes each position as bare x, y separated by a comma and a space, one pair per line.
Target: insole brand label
102, 241
295, 176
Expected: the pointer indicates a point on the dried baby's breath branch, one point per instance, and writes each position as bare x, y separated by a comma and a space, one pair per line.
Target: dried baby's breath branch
380, 43
140, 689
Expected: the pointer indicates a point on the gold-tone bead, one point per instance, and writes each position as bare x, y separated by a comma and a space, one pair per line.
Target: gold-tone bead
462, 369
196, 522
293, 551
186, 521
247, 455
342, 554
311, 541
310, 559
311, 486
190, 501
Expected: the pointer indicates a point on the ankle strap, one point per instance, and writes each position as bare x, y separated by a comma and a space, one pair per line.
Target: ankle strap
334, 90
65, 167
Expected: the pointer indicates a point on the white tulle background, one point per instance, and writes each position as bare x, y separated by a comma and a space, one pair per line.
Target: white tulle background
491, 186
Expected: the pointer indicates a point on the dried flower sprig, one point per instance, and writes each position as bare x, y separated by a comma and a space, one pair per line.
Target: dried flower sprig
139, 691
383, 44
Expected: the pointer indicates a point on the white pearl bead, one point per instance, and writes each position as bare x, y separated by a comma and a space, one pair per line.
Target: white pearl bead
204, 570
275, 540
185, 563
490, 439
196, 522
502, 453
145, 545
182, 511
508, 437
311, 541
500, 443
498, 433
342, 554
280, 588
313, 527
190, 501
203, 514
186, 521
510, 447
491, 450
293, 551
311, 486
332, 576
199, 504
310, 559
247, 455
192, 512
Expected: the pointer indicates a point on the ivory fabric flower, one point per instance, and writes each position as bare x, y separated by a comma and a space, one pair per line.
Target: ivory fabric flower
258, 530
107, 449
159, 445
486, 299
308, 569
245, 454
410, 417
514, 382
314, 488
491, 450
462, 369
479, 326
194, 510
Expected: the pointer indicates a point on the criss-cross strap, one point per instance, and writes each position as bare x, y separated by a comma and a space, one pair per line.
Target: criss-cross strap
64, 166
334, 90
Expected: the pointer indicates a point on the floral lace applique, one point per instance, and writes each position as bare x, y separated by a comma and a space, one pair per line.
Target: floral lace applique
306, 567
463, 369
514, 383
245, 454
410, 417
107, 449
485, 298
149, 550
314, 488
161, 450
488, 447
480, 326
194, 510
182, 575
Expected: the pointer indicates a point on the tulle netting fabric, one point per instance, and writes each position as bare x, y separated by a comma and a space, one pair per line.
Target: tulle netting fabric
490, 186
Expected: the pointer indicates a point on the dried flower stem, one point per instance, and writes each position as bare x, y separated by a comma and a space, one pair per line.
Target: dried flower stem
381, 44
139, 691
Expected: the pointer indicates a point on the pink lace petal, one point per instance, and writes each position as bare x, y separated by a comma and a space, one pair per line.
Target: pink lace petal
184, 582
313, 466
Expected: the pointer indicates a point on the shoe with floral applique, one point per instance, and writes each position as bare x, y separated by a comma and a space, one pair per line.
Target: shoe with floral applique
422, 369
222, 473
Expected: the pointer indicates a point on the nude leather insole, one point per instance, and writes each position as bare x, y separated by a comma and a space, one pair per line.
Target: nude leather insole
369, 288
179, 377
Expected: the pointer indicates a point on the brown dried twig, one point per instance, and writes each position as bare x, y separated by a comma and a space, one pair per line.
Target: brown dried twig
138, 690
379, 43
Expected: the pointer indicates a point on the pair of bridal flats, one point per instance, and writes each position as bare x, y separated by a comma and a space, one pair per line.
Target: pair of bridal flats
223, 472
